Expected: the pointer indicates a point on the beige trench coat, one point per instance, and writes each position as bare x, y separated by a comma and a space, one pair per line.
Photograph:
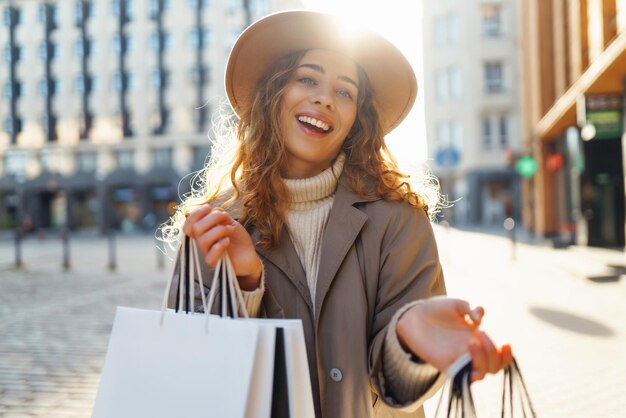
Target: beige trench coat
376, 257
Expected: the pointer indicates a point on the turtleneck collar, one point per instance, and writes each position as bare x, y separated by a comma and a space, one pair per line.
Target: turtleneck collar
317, 187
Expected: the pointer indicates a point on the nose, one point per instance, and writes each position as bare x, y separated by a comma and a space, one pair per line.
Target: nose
324, 97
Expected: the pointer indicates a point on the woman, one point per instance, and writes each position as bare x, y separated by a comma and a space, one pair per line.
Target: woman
321, 226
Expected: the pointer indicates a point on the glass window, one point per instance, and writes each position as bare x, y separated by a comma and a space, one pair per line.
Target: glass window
452, 26
493, 77
7, 16
83, 48
194, 3
8, 91
504, 131
486, 132
456, 83
78, 10
119, 82
122, 44
456, 134
193, 37
201, 156
155, 41
15, 162
491, 20
443, 134
82, 84
45, 159
87, 161
47, 50
158, 78
125, 158
162, 157
442, 85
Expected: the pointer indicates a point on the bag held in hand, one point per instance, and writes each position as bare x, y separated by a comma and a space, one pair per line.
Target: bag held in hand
177, 363
460, 403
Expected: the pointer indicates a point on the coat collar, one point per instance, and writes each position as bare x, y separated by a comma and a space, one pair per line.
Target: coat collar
342, 229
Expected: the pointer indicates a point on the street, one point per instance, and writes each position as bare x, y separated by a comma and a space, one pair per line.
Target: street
563, 311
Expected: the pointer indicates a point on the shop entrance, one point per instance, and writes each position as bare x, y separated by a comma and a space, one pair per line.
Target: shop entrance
603, 192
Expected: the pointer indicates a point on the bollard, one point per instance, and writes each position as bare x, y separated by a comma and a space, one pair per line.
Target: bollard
65, 238
112, 259
18, 248
509, 225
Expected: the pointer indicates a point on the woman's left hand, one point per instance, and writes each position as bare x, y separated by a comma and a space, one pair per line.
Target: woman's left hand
440, 329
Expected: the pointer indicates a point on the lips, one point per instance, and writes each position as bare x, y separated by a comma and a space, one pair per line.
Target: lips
314, 123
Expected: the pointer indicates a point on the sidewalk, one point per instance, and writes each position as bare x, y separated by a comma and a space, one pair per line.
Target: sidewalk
563, 311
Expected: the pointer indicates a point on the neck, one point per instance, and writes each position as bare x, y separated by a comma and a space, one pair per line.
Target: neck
297, 169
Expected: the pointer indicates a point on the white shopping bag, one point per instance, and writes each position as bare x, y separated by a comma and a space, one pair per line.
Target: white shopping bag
169, 364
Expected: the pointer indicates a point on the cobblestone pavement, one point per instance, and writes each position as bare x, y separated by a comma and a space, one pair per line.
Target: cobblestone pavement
563, 311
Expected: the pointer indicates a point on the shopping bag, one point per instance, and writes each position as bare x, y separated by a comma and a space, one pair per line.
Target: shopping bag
179, 363
459, 402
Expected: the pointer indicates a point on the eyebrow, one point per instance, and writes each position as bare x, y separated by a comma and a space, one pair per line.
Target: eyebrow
322, 70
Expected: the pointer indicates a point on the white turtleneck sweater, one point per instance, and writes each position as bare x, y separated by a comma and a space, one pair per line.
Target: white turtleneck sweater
311, 200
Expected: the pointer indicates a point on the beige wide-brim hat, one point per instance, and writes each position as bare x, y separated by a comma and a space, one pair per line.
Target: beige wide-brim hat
279, 34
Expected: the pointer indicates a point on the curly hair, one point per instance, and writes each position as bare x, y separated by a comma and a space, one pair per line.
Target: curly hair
256, 186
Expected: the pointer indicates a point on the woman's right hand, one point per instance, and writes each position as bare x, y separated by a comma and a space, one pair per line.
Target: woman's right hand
215, 231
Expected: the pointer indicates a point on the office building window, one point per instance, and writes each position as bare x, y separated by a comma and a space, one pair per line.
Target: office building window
491, 20
196, 71
446, 30
15, 162
127, 82
443, 134
486, 133
493, 73
17, 54
449, 84
158, 78
193, 38
78, 10
201, 156
456, 134
54, 15
504, 131
47, 50
49, 87
8, 125
125, 158
194, 3
83, 48
45, 159
87, 161
155, 41
154, 6
116, 7
8, 90
122, 44
162, 157
83, 84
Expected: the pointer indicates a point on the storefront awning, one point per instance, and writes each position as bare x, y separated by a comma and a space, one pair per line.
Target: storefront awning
605, 75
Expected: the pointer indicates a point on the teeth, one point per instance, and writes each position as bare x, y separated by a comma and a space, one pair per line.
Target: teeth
315, 122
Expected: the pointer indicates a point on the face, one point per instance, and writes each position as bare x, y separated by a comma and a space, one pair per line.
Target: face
319, 107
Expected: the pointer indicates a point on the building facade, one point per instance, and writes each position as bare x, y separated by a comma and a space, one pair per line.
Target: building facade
472, 106
574, 66
107, 103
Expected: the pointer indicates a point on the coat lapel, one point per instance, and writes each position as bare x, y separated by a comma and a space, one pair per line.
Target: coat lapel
343, 227
284, 256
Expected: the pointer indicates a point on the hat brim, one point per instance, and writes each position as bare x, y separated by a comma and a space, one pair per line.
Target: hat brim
279, 34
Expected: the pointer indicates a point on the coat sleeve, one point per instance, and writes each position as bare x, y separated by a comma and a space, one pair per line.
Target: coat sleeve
409, 271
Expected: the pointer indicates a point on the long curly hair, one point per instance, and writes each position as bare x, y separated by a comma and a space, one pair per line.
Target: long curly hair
248, 179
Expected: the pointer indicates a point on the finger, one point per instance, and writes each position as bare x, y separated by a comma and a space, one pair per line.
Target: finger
216, 251
210, 220
507, 355
194, 217
479, 361
209, 238
477, 314
493, 358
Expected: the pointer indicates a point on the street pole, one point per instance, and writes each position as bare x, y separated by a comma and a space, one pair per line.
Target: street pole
65, 237
18, 223
509, 225
112, 259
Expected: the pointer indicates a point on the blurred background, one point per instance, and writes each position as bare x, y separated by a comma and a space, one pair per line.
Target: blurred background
106, 108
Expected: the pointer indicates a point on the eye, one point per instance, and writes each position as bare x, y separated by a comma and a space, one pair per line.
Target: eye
345, 93
307, 80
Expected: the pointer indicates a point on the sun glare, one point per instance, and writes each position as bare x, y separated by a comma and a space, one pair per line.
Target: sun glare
400, 21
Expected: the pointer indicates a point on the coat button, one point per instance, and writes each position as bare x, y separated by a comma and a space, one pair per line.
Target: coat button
335, 374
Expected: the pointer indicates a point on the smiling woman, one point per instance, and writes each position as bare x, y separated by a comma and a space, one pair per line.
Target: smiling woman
318, 110
321, 225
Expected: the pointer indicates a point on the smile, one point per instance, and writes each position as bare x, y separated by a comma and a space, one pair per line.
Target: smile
315, 123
